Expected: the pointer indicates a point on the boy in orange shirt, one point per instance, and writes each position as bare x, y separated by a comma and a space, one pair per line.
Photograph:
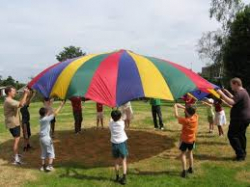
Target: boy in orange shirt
188, 136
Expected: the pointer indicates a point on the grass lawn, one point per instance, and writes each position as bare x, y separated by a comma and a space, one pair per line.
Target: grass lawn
85, 160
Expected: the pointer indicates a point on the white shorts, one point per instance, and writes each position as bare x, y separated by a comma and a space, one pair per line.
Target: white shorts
47, 147
127, 114
99, 115
220, 118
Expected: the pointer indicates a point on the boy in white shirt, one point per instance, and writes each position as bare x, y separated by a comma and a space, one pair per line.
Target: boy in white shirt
46, 143
119, 144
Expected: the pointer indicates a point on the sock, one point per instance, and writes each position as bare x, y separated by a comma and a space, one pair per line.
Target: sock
117, 176
124, 176
17, 159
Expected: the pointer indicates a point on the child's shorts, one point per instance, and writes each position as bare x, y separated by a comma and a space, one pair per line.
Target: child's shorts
184, 146
47, 147
210, 119
99, 115
120, 150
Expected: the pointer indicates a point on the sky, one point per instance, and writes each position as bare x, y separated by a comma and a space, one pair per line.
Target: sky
33, 32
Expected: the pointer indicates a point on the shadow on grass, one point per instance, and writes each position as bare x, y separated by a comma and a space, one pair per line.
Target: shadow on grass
92, 148
203, 157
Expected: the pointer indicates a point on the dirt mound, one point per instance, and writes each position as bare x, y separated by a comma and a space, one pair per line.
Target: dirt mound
92, 148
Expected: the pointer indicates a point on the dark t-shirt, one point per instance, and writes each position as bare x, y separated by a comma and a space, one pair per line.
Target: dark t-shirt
25, 114
241, 108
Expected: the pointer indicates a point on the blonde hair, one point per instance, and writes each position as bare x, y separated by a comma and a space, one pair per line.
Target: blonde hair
236, 81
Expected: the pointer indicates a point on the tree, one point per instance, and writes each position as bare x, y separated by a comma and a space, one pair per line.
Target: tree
236, 53
210, 44
70, 52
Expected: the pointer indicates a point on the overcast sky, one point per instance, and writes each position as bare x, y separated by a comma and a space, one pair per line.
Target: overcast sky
33, 32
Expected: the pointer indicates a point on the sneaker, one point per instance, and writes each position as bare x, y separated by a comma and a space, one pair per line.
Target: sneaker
190, 170
43, 168
184, 174
49, 168
17, 162
239, 159
162, 128
123, 181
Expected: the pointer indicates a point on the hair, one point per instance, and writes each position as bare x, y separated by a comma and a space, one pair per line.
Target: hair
7, 90
190, 110
43, 111
116, 115
236, 81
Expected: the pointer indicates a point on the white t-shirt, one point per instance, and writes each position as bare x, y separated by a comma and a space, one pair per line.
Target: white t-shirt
118, 134
45, 125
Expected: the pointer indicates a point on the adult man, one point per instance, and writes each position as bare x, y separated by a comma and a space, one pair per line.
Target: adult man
76, 103
239, 117
12, 120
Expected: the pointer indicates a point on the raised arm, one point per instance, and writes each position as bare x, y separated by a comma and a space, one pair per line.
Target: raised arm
176, 113
59, 108
206, 103
227, 99
228, 93
24, 98
224, 102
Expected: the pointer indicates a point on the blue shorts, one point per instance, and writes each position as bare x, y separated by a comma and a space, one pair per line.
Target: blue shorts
120, 150
15, 131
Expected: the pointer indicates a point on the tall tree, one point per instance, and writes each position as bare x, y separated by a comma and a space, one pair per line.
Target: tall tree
236, 50
210, 44
70, 52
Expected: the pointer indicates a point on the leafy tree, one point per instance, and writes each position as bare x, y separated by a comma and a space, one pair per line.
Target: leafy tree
210, 44
70, 52
236, 53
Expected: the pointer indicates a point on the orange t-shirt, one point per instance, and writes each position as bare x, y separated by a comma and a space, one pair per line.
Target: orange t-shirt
189, 128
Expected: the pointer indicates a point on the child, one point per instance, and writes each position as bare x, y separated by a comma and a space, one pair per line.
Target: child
76, 103
119, 144
48, 105
127, 113
26, 121
189, 100
210, 113
220, 116
45, 140
188, 136
99, 115
156, 112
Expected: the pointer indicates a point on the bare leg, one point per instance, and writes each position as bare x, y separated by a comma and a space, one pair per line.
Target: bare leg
102, 122
51, 161
16, 145
183, 160
191, 159
128, 123
117, 167
43, 162
97, 122
124, 166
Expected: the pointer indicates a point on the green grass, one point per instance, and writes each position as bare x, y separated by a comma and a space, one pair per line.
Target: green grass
86, 160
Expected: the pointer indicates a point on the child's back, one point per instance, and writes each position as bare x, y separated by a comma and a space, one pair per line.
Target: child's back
45, 125
189, 128
117, 129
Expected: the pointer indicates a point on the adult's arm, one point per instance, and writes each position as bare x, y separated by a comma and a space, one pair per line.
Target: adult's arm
227, 99
228, 93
